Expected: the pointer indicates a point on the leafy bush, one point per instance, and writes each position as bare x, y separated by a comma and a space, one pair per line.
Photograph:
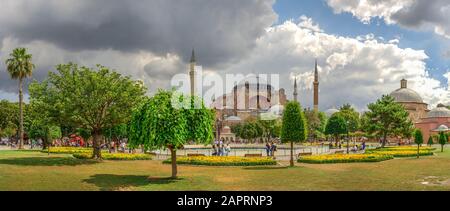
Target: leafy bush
344, 158
223, 161
114, 156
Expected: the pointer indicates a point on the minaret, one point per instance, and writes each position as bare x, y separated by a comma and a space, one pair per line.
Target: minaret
295, 90
192, 73
316, 88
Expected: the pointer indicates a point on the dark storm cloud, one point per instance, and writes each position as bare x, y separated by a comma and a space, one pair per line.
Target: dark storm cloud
221, 31
421, 12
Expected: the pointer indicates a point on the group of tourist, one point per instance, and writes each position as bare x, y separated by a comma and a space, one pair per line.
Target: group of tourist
271, 148
220, 149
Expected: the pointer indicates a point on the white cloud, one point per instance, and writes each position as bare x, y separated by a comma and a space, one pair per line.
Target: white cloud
415, 14
351, 70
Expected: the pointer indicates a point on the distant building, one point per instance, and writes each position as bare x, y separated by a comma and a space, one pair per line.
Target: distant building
429, 122
412, 102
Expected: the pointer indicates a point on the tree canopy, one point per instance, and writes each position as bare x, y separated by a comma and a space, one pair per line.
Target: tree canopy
90, 98
336, 126
294, 128
387, 118
161, 123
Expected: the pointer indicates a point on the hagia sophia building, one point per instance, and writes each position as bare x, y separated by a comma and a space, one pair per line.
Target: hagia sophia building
253, 98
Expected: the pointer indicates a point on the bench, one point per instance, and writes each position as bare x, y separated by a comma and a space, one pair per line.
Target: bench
304, 154
339, 152
196, 155
253, 155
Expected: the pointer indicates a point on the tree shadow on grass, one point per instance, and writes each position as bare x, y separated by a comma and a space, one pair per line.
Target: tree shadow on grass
108, 182
46, 161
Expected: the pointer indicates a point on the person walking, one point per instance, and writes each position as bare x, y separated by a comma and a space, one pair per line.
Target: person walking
227, 150
273, 149
268, 149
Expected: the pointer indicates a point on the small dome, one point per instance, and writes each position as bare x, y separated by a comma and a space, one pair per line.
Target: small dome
442, 128
405, 95
440, 111
277, 109
330, 112
233, 118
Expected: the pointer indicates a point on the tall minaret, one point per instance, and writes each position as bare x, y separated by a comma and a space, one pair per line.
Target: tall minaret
192, 73
295, 90
316, 88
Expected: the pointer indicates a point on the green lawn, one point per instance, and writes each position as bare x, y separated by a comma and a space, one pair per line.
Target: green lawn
27, 170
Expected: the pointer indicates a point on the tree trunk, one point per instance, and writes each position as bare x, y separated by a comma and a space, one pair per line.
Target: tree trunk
20, 113
97, 153
348, 146
173, 154
418, 150
292, 154
442, 148
383, 144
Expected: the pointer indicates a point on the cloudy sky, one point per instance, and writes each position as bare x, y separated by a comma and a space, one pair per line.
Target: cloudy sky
364, 48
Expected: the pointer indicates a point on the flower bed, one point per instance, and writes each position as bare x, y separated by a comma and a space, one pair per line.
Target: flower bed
404, 151
405, 148
400, 154
223, 161
114, 156
67, 150
344, 158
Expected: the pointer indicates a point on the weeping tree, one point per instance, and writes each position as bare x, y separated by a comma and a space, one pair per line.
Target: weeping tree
294, 128
93, 99
169, 120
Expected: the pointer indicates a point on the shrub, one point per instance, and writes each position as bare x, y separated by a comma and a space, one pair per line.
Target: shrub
224, 161
115, 156
344, 158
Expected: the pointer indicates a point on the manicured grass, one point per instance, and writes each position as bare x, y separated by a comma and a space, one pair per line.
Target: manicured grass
22, 170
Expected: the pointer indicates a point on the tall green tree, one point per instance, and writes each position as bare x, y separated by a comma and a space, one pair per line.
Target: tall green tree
351, 116
93, 99
418, 139
443, 139
20, 66
294, 127
8, 116
160, 123
316, 123
336, 126
387, 118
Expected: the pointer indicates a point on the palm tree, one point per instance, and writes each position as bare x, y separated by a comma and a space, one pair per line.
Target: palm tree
20, 67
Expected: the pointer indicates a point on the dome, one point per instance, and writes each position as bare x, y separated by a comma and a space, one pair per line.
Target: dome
330, 112
277, 109
405, 95
233, 118
440, 111
442, 128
